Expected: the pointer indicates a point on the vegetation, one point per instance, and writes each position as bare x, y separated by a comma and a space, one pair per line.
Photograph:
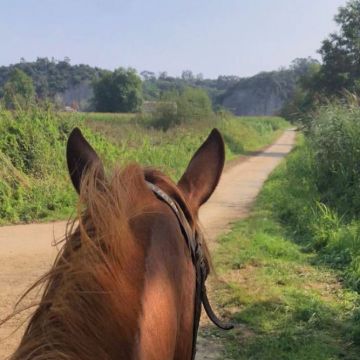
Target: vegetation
341, 53
334, 141
34, 184
188, 105
118, 91
339, 73
33, 181
72, 85
286, 304
108, 117
30, 148
51, 77
290, 273
154, 87
19, 90
170, 150
322, 187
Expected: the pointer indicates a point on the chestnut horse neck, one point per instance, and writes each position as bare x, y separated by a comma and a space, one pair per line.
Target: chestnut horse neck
92, 300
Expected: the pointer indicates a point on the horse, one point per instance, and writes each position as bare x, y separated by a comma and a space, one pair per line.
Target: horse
129, 280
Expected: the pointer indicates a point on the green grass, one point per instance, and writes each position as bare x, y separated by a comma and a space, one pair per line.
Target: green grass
34, 184
287, 301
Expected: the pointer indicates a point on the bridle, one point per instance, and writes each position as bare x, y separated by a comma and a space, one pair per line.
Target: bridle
194, 242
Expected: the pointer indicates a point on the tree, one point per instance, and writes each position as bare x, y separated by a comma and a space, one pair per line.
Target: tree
148, 75
187, 76
199, 77
163, 75
341, 53
301, 66
304, 97
118, 91
19, 90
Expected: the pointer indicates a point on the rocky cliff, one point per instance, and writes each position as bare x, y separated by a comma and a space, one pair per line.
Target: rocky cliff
262, 94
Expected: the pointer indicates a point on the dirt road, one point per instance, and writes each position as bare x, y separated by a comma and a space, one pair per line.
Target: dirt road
26, 251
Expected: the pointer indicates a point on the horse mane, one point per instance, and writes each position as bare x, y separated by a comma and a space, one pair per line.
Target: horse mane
100, 266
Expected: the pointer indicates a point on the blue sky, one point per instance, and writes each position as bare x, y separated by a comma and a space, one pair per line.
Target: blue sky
238, 37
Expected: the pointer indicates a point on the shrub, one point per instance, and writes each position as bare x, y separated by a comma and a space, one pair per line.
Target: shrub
188, 106
165, 115
193, 104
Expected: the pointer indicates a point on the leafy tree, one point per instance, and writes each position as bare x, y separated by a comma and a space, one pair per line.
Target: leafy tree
340, 70
225, 81
118, 91
341, 53
19, 90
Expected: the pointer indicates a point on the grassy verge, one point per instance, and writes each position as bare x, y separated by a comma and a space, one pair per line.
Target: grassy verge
288, 302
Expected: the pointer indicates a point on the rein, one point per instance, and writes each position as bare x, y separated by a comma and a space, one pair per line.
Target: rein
194, 242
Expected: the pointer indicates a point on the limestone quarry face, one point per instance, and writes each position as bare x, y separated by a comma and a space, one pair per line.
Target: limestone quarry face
263, 94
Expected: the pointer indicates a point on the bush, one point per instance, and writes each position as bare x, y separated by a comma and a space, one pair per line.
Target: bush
165, 115
188, 106
193, 104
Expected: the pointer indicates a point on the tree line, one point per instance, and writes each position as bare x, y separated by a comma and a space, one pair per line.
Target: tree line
124, 90
121, 90
338, 75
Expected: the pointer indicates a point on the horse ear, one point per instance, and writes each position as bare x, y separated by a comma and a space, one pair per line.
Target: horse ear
80, 156
204, 170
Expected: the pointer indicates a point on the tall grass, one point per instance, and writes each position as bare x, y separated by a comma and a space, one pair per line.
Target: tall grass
334, 138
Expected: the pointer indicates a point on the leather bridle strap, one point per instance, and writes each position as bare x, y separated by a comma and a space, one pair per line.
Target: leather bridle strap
199, 261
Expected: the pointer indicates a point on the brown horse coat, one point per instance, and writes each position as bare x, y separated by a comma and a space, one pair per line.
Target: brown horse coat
123, 286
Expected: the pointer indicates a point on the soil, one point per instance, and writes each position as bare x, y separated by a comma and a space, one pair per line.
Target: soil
27, 251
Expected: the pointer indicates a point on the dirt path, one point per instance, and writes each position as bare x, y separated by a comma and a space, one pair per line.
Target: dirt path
26, 251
